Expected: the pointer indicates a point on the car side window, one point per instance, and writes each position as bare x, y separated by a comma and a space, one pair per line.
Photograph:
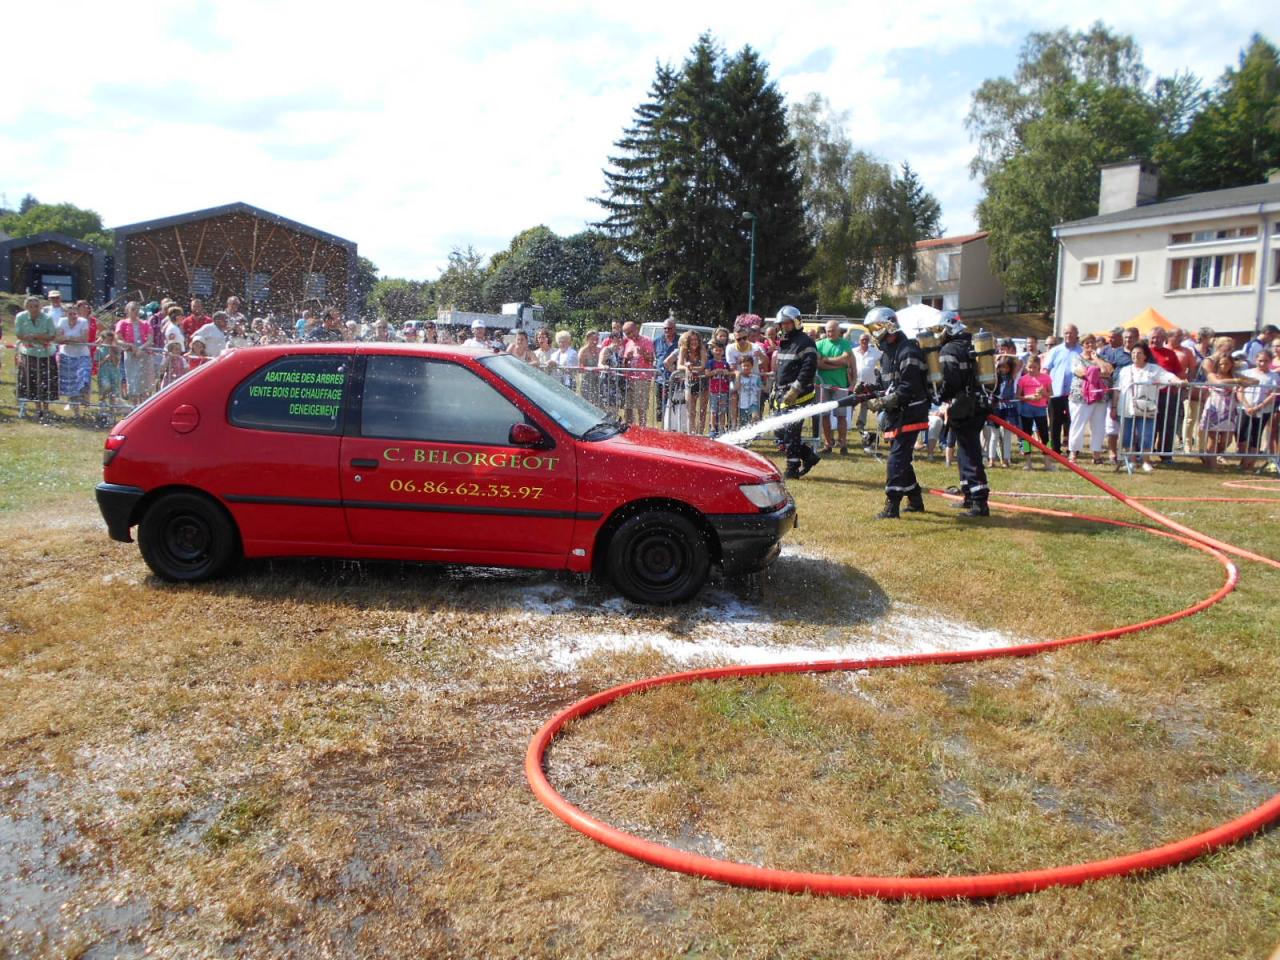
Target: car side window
414, 398
298, 394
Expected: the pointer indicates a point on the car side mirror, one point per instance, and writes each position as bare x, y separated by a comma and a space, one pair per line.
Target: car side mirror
526, 435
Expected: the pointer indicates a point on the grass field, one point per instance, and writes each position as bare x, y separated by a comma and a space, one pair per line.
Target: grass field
324, 759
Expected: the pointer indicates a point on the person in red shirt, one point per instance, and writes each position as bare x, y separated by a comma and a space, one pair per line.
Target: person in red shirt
637, 354
195, 319
1169, 406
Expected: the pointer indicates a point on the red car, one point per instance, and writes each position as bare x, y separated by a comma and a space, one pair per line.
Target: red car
412, 452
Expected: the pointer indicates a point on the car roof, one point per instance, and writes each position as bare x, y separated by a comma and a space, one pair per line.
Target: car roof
368, 347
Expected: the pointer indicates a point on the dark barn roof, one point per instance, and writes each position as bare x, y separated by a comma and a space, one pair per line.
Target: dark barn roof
181, 219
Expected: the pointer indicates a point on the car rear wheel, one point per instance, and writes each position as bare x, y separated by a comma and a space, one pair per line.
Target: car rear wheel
658, 557
186, 538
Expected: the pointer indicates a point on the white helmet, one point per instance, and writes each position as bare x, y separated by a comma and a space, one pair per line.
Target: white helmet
880, 322
951, 324
789, 313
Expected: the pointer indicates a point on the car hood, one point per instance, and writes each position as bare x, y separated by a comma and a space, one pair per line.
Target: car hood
684, 446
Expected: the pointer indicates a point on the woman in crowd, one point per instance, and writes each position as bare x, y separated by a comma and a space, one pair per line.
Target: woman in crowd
520, 348
1219, 414
75, 364
37, 375
1257, 403
1138, 397
564, 355
238, 337
690, 358
133, 335
1088, 400
107, 356
589, 360
542, 349
1034, 389
610, 382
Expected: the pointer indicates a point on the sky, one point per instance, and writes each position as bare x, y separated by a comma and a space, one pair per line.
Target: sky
415, 129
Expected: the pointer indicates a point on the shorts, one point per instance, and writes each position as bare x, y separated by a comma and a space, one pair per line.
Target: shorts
720, 402
751, 412
836, 393
1113, 425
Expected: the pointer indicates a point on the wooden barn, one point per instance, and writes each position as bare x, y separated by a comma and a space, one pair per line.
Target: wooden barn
271, 263
54, 261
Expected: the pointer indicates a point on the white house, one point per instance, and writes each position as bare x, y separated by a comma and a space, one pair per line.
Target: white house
954, 273
1202, 260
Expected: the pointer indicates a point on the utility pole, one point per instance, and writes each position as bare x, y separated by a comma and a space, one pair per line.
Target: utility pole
751, 271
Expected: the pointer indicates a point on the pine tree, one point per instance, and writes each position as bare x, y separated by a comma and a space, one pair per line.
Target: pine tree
709, 145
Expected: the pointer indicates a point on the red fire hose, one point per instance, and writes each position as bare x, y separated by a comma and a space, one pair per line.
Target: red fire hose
937, 887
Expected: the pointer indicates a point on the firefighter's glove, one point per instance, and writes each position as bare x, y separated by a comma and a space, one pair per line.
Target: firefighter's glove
796, 395
875, 404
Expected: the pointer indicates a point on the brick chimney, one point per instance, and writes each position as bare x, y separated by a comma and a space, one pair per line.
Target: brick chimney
1128, 184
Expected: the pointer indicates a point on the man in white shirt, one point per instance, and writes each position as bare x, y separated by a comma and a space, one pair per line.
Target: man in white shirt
477, 338
214, 334
866, 360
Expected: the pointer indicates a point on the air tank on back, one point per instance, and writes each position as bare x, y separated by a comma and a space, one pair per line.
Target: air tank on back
984, 350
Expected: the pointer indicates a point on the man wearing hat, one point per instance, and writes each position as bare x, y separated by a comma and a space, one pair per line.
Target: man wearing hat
477, 338
56, 313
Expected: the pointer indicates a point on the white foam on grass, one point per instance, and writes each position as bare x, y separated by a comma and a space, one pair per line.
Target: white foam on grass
727, 630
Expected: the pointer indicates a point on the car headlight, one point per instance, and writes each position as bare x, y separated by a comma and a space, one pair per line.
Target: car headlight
765, 495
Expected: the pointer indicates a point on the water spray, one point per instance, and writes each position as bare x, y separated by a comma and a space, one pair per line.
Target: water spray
778, 421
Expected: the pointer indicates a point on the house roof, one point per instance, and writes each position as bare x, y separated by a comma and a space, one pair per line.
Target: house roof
52, 237
1186, 206
146, 226
950, 241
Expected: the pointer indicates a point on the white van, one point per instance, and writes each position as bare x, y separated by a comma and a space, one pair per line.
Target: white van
653, 329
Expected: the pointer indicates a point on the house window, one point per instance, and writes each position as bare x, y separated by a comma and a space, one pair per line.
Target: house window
201, 282
935, 302
948, 266
1275, 268
1209, 236
1126, 268
1091, 271
315, 286
259, 287
1210, 272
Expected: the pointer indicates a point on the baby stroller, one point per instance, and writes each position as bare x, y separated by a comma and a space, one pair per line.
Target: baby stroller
675, 413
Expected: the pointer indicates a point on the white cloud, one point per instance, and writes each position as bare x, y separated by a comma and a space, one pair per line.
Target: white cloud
412, 129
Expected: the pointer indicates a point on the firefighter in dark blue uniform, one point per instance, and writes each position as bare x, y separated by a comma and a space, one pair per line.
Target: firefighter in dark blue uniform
903, 409
795, 364
966, 412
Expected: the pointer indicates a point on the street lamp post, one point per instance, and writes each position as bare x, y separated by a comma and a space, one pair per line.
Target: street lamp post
751, 272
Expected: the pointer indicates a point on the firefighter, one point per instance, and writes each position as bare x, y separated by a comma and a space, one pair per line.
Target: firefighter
795, 364
966, 408
903, 409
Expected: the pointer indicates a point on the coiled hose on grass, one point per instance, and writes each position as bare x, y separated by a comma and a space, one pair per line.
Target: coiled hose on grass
932, 887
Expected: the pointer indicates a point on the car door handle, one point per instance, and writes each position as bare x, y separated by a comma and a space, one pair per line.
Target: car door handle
365, 464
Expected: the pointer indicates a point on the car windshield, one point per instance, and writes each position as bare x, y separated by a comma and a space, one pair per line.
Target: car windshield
577, 416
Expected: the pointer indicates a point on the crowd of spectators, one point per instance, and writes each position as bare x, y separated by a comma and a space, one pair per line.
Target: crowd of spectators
1126, 397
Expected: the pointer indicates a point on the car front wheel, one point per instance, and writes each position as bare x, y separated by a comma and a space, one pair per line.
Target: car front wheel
658, 557
186, 538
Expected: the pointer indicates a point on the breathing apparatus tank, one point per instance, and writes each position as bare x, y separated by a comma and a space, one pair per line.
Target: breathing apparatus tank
928, 342
984, 351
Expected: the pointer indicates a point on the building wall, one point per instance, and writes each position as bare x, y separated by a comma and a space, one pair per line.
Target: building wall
220, 256
78, 263
979, 287
1111, 301
927, 284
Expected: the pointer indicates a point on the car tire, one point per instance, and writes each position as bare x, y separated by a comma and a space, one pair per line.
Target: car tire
657, 557
187, 538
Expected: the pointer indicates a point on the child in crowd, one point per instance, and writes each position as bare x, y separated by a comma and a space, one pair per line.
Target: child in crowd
174, 365
718, 390
107, 355
197, 354
1034, 388
749, 386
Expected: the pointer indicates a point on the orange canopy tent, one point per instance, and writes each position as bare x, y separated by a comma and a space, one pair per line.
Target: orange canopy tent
1148, 320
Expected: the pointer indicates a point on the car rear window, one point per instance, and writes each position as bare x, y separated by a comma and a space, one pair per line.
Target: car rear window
294, 394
